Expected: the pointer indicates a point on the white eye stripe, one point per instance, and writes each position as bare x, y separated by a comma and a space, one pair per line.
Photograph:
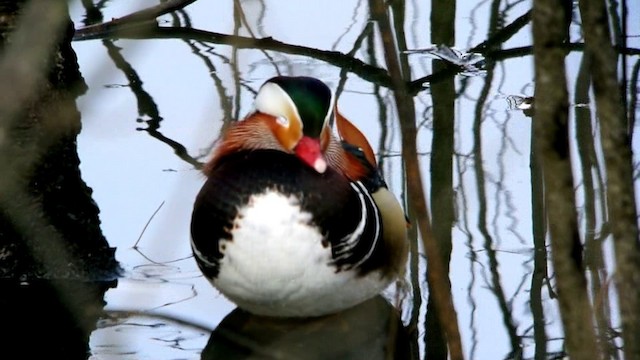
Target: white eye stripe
274, 101
282, 121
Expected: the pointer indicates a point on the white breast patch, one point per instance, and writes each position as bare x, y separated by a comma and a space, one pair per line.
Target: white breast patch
276, 265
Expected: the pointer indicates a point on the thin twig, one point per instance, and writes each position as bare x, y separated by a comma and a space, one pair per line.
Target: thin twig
135, 246
123, 313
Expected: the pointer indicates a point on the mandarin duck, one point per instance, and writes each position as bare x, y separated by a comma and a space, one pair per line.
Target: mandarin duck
293, 221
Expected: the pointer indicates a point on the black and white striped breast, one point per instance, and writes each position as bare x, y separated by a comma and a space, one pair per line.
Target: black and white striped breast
343, 212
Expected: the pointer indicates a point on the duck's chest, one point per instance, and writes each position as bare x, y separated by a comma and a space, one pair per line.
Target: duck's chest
269, 204
278, 263
271, 236
262, 232
275, 253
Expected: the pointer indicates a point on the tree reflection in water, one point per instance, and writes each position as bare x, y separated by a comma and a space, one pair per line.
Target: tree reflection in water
371, 330
491, 214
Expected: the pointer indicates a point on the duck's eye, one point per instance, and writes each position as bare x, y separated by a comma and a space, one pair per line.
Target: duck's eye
282, 121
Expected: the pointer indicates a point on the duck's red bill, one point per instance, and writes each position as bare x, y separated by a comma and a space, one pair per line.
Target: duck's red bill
310, 151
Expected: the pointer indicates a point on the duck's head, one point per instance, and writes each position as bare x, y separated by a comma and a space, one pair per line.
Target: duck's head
301, 108
293, 114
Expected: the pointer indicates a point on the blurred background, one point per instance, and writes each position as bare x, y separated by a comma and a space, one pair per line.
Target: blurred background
163, 83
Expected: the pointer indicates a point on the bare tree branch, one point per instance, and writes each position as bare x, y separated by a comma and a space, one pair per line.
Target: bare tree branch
365, 71
143, 17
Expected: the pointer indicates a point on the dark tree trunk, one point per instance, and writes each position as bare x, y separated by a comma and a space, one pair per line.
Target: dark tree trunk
616, 146
56, 264
443, 97
551, 140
